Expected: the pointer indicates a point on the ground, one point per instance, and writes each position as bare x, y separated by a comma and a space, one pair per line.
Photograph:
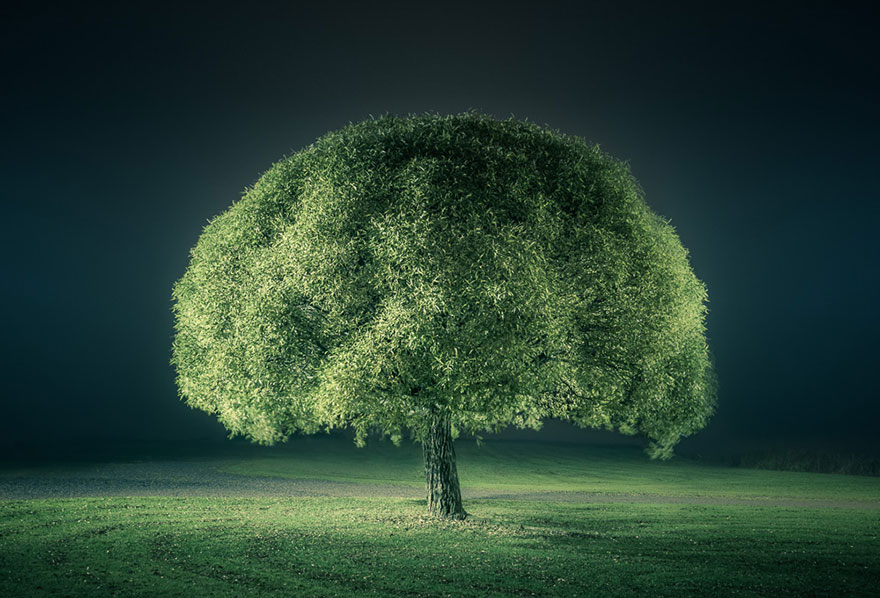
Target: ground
320, 518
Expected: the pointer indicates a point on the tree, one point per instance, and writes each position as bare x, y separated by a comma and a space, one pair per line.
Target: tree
427, 275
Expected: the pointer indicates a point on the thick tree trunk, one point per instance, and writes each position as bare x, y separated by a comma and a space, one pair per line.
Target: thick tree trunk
441, 476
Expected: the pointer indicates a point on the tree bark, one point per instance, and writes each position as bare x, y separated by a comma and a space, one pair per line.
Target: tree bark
441, 475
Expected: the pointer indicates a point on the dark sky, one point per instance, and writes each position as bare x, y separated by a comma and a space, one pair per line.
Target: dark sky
753, 128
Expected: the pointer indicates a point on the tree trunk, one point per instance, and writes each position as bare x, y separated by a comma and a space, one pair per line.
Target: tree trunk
441, 476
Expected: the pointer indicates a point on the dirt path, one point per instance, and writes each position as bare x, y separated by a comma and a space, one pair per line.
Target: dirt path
201, 478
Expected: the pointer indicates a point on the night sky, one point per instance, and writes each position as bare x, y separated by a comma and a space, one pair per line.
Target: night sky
125, 127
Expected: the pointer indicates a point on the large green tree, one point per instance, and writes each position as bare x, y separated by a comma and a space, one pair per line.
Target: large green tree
426, 275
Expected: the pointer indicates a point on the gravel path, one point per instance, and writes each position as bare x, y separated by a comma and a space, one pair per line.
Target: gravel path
202, 478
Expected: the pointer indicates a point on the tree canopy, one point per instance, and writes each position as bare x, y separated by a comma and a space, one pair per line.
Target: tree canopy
490, 272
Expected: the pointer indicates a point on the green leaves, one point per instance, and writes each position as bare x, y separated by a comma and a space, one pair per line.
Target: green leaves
491, 270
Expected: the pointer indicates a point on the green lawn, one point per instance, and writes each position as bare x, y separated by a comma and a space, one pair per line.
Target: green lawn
545, 467
387, 547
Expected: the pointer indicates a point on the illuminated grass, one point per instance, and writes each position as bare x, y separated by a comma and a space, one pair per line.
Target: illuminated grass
386, 547
539, 467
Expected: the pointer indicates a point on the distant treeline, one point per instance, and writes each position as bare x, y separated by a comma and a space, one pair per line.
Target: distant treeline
812, 461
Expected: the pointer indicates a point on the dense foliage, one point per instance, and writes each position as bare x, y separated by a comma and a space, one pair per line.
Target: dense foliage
487, 272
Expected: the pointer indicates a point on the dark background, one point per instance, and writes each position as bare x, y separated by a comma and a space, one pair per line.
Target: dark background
754, 128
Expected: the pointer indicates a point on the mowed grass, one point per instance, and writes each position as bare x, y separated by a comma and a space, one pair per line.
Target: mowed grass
384, 546
516, 467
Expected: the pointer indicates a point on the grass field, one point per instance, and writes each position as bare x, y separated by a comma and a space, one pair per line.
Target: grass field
545, 467
666, 544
